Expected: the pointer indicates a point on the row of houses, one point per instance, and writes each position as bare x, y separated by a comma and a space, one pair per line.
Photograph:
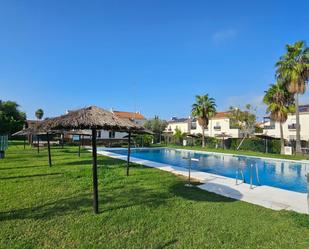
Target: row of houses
220, 124
272, 128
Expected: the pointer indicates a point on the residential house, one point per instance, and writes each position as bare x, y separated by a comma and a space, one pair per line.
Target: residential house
272, 128
219, 124
135, 117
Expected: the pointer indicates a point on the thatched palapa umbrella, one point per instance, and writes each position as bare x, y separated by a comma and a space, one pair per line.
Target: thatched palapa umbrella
38, 130
81, 134
223, 135
22, 133
34, 131
93, 118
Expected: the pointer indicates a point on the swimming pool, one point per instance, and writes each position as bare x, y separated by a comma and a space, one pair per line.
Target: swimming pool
276, 173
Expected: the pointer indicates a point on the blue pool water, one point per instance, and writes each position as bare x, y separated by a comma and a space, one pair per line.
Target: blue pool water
281, 174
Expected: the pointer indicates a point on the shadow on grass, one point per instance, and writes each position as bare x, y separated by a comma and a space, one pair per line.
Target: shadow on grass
301, 220
29, 176
112, 200
167, 244
25, 167
196, 194
50, 209
123, 199
154, 198
83, 203
100, 162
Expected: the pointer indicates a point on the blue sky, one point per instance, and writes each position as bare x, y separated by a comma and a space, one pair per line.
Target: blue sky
150, 56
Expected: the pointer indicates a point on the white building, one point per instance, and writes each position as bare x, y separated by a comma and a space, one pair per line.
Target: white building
272, 128
136, 117
218, 125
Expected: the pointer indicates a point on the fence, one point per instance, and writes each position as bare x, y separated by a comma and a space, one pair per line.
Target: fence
3, 145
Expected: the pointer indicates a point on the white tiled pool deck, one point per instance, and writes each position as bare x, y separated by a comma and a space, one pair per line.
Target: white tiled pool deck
266, 196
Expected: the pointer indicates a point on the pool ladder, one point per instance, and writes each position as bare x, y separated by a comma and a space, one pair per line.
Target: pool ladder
239, 172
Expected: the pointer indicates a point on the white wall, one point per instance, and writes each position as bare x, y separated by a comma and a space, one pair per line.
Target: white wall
223, 123
290, 134
183, 126
118, 135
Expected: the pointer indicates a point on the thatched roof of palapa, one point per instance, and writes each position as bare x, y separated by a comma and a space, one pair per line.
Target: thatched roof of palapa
34, 131
223, 135
88, 118
23, 132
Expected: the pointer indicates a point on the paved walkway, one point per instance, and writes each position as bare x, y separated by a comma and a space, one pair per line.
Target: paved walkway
266, 196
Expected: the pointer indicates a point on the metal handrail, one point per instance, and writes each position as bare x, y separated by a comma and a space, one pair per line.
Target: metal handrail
251, 175
239, 171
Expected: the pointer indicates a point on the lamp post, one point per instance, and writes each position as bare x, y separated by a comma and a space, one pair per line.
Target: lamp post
190, 159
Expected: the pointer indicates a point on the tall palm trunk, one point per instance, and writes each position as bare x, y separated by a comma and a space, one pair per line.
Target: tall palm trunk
281, 139
298, 145
203, 136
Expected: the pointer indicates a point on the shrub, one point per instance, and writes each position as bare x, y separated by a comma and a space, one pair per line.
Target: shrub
256, 144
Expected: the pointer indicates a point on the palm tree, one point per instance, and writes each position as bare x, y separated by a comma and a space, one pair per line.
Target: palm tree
280, 103
39, 114
203, 109
293, 71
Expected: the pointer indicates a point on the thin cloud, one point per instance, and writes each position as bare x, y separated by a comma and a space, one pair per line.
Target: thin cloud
223, 35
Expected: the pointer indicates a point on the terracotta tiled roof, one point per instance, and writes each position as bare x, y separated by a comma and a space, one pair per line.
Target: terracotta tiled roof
221, 115
130, 115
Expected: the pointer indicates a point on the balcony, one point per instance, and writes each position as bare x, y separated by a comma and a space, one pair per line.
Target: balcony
193, 126
269, 127
217, 128
292, 127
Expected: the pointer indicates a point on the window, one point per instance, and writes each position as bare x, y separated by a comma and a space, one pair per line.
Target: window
111, 134
99, 134
193, 126
217, 127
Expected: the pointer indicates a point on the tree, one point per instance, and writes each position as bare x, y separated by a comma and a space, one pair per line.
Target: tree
203, 109
178, 136
293, 71
157, 126
11, 118
39, 114
245, 120
280, 102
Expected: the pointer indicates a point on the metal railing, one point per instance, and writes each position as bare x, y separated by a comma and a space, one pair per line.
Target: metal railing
251, 175
240, 173
269, 127
217, 128
292, 127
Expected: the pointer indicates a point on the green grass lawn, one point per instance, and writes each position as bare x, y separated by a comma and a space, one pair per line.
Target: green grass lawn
44, 207
239, 152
